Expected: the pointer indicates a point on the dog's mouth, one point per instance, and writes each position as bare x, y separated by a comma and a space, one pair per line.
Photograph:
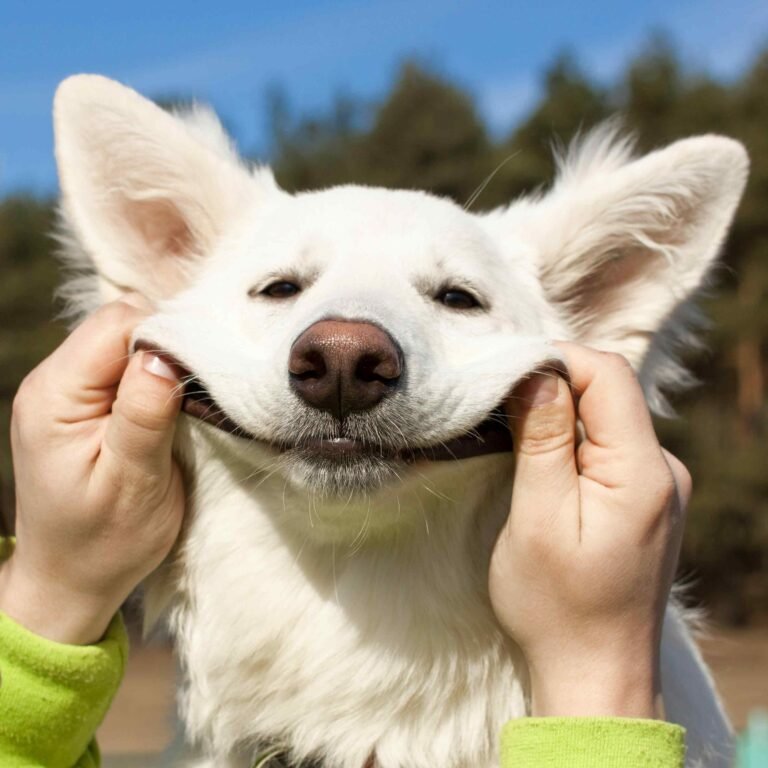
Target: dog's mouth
490, 436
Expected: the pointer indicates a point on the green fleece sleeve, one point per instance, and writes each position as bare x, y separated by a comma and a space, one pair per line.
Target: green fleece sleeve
54, 696
591, 742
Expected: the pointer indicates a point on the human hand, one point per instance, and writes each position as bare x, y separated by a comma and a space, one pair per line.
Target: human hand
581, 572
99, 497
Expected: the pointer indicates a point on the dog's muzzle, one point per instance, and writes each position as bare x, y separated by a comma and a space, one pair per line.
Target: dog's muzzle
490, 436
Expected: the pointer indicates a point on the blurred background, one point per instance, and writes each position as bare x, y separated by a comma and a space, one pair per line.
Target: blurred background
436, 96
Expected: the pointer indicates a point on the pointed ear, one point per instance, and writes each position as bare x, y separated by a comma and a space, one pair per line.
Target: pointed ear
622, 243
144, 193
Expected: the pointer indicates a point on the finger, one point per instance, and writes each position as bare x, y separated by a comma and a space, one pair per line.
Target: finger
543, 424
683, 481
138, 300
141, 426
612, 406
86, 368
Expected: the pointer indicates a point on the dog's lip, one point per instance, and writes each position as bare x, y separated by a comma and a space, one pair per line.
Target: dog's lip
200, 405
491, 436
334, 448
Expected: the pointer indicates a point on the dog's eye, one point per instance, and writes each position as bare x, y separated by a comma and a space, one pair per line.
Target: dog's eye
453, 298
280, 289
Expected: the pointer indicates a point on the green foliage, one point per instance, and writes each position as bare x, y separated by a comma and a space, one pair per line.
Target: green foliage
426, 133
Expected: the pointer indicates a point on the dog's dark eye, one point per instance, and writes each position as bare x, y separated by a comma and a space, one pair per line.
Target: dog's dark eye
453, 298
280, 289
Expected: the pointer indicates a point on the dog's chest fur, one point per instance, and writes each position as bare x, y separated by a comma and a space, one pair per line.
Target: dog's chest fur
386, 644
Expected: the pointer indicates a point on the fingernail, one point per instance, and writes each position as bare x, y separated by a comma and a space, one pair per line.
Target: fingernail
540, 389
158, 367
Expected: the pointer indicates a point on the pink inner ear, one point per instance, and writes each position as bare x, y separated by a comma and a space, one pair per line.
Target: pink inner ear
604, 288
161, 226
165, 243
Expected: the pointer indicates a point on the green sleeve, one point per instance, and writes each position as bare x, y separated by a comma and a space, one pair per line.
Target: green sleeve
54, 696
591, 742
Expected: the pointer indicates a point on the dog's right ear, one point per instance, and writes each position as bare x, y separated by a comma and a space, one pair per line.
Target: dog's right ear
145, 193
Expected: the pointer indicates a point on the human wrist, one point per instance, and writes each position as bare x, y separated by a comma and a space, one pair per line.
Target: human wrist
50, 608
595, 687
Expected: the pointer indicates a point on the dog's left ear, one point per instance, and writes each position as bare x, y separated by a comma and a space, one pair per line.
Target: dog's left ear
145, 193
621, 243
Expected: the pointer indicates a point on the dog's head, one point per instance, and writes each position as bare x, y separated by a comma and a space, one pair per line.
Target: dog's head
354, 330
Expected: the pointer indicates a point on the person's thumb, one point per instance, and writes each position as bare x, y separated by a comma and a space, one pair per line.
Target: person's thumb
542, 420
141, 426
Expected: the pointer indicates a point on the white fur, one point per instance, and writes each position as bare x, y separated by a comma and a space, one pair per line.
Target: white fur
346, 624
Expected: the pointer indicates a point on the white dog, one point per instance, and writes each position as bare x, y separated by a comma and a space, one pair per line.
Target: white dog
329, 594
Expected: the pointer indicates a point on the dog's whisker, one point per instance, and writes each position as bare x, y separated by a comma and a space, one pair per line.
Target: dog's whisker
488, 179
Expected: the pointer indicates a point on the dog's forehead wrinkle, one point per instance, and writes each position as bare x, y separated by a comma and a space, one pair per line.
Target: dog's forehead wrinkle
375, 203
365, 217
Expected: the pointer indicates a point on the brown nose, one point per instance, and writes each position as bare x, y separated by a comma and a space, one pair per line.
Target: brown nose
342, 366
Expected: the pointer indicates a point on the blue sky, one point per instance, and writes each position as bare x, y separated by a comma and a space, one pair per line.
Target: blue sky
231, 54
